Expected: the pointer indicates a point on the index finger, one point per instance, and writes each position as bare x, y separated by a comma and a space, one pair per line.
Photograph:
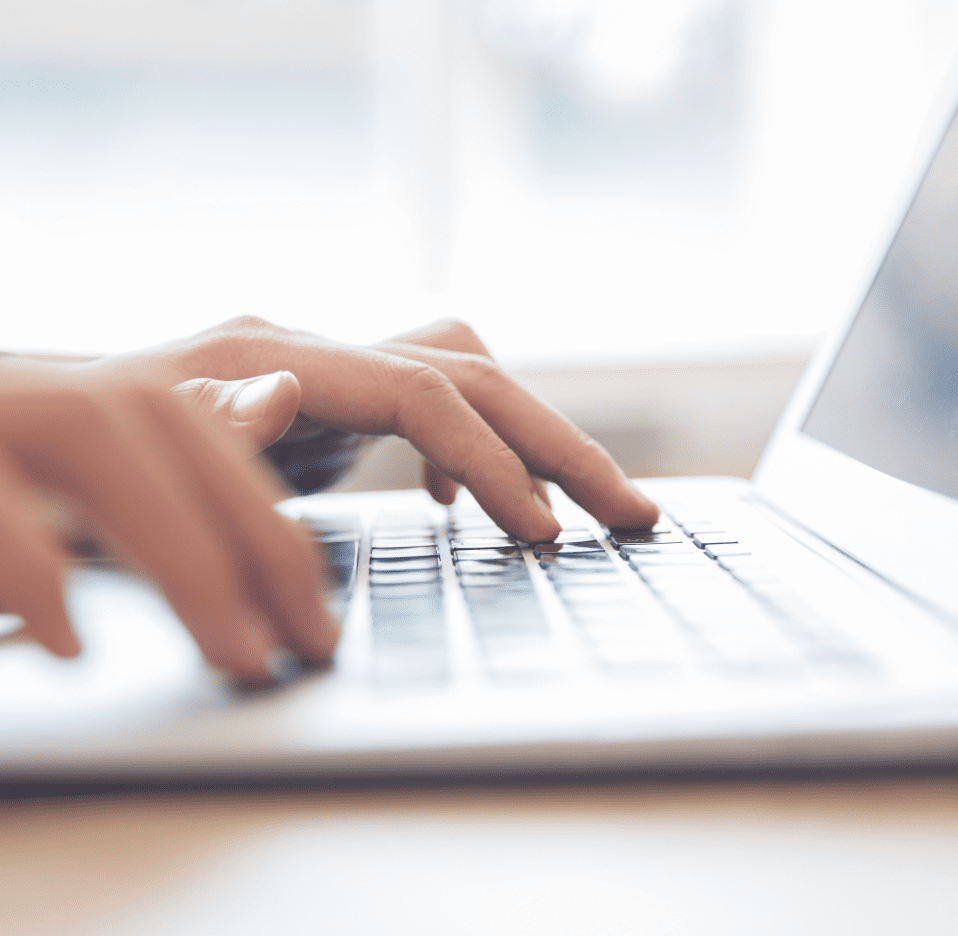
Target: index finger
547, 442
370, 391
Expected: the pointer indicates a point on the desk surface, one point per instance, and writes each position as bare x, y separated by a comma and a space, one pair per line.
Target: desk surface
861, 855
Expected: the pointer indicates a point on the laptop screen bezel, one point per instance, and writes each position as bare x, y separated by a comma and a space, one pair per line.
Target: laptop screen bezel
905, 533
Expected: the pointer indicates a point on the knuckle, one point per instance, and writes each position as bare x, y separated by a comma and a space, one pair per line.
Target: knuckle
247, 323
424, 380
239, 344
206, 395
457, 326
483, 374
421, 389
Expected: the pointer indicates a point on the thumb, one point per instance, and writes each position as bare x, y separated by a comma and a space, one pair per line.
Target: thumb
257, 411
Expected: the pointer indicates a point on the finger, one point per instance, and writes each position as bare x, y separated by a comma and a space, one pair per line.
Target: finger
32, 565
281, 571
363, 390
441, 488
99, 451
548, 443
542, 490
449, 334
257, 411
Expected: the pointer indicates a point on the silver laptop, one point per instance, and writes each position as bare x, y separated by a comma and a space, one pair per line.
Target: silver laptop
807, 618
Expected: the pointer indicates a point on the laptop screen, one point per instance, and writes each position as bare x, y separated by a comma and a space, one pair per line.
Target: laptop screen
890, 399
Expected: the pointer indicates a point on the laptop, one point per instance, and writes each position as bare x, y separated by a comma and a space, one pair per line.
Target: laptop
804, 619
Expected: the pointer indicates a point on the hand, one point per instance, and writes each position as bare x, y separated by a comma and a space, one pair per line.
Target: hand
440, 389
177, 500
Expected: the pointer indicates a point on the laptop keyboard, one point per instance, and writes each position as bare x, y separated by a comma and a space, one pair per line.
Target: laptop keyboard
642, 604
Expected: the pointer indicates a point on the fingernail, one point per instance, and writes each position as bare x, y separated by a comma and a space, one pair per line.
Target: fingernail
252, 401
547, 515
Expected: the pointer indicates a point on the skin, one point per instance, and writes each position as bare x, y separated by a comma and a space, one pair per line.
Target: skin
178, 501
166, 477
439, 388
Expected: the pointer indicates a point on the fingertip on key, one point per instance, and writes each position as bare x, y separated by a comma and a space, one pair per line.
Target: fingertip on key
549, 527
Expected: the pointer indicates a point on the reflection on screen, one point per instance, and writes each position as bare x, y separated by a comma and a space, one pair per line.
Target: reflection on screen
891, 397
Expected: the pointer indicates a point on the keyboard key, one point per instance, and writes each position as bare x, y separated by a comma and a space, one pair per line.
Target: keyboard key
404, 565
576, 564
717, 550
494, 553
578, 535
656, 549
391, 579
402, 542
459, 543
409, 552
706, 539
567, 549
506, 583
501, 567
631, 537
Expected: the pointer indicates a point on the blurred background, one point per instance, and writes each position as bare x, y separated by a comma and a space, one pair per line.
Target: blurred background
651, 211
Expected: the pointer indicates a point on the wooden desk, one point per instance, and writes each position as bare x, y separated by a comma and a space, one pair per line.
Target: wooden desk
845, 856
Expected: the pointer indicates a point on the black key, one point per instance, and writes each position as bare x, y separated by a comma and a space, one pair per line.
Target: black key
494, 553
476, 529
418, 577
635, 537
411, 552
520, 580
557, 565
503, 568
567, 549
657, 549
404, 565
402, 542
576, 538
459, 543
706, 539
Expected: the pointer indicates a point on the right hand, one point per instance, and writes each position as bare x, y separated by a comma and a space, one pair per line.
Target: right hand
437, 387
176, 498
